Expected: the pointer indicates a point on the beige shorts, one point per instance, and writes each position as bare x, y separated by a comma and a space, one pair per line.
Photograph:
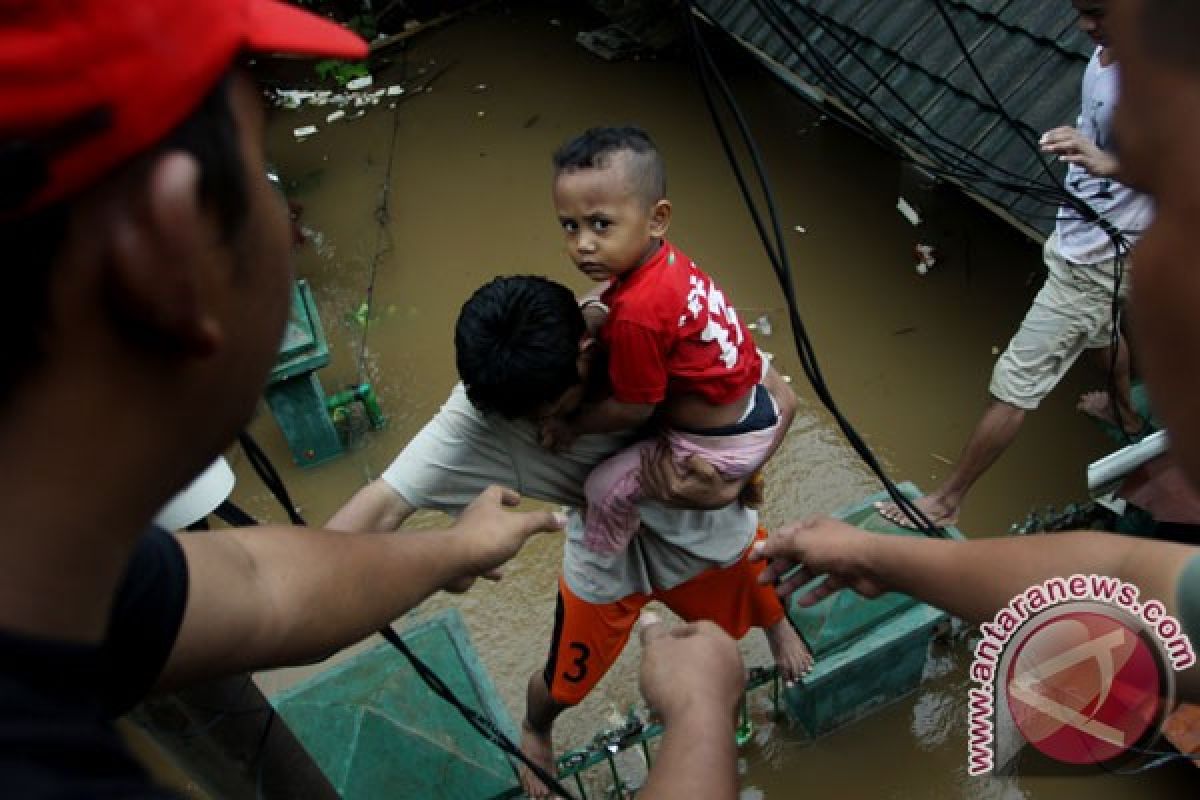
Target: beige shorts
1071, 313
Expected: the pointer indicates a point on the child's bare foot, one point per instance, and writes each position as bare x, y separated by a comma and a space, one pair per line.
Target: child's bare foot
538, 748
792, 656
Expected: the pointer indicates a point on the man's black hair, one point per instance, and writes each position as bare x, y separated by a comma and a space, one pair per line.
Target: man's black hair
594, 148
517, 344
30, 243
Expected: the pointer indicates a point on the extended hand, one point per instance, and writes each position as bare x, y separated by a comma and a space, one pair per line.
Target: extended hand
818, 546
487, 534
689, 668
696, 484
1073, 147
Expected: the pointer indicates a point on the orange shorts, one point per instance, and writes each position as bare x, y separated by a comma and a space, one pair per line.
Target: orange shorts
588, 637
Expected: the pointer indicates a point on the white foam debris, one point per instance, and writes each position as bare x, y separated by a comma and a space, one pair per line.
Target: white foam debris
908, 212
394, 91
305, 131
335, 116
360, 83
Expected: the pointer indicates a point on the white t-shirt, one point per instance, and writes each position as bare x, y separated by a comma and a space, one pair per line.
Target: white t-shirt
460, 452
1130, 212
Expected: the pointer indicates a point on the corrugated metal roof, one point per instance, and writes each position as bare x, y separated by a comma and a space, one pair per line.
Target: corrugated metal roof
903, 57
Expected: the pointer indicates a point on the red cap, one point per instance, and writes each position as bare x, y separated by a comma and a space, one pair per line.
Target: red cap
86, 84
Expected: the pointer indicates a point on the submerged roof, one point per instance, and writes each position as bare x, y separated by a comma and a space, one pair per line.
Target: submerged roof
902, 56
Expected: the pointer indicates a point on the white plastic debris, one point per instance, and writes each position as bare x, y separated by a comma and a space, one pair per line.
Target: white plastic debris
360, 83
335, 116
787, 378
394, 91
479, 88
800, 229
305, 131
908, 212
480, 114
763, 325
926, 258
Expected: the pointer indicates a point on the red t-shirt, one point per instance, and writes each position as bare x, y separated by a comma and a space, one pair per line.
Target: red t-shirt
670, 331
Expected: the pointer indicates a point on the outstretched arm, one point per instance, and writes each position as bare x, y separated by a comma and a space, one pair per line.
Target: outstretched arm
971, 579
692, 676
275, 596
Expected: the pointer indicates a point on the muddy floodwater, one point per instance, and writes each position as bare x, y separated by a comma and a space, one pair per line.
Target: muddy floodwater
466, 167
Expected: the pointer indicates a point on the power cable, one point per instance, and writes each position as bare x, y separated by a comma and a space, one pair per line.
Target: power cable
777, 254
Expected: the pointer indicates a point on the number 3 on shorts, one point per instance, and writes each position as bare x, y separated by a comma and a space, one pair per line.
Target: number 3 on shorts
580, 663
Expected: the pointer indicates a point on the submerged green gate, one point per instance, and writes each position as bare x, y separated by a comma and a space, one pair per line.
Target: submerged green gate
376, 730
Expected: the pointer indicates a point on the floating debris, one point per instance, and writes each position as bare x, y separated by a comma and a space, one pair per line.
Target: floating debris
479, 88
480, 113
529, 123
926, 258
360, 83
787, 378
800, 229
762, 325
394, 91
305, 131
335, 116
610, 43
908, 212
995, 350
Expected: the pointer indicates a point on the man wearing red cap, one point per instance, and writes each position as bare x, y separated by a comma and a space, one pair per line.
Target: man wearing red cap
148, 270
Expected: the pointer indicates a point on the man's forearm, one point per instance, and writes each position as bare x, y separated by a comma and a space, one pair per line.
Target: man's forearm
975, 579
697, 758
332, 593
375, 507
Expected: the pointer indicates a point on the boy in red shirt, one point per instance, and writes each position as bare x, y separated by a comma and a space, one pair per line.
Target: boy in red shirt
676, 348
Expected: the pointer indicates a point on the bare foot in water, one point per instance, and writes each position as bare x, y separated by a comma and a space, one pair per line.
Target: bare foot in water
538, 748
938, 511
792, 656
1099, 405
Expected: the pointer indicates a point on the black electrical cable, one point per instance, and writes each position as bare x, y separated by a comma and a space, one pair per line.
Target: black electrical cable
944, 147
962, 164
486, 728
777, 254
269, 476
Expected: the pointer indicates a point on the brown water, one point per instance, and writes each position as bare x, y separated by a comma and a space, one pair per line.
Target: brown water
907, 357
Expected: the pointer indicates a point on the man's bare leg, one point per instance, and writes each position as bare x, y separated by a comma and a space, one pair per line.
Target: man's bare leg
995, 431
537, 741
792, 657
1099, 404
